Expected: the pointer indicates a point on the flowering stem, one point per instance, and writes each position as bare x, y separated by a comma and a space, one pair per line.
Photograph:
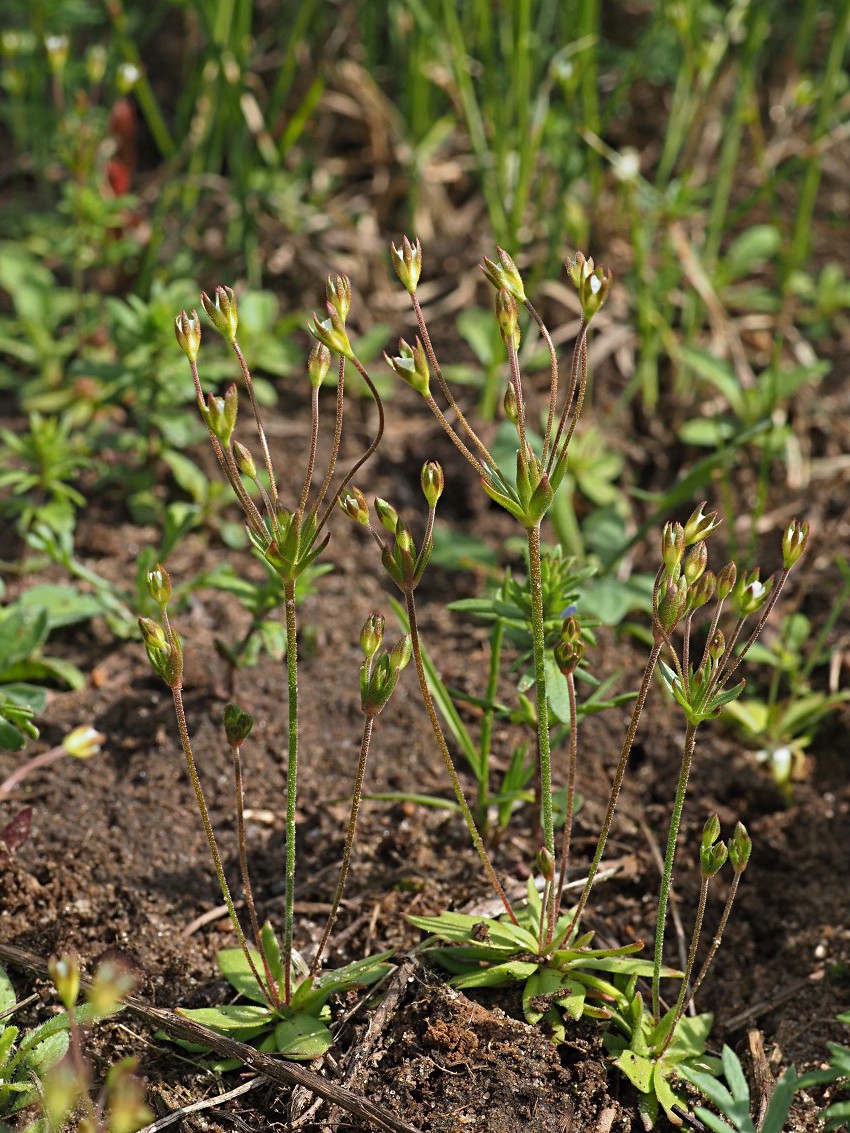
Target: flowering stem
447, 758
246, 877
617, 784
267, 459
692, 953
667, 876
349, 842
543, 746
183, 729
291, 785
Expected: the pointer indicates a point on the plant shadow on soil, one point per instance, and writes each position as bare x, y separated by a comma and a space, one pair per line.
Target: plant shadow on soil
117, 863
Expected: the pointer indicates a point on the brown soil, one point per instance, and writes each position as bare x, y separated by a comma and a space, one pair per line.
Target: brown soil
117, 863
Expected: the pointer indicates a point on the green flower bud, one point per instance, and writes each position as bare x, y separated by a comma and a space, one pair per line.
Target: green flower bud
387, 515
166, 657
125, 1099
695, 563
158, 583
726, 581
717, 646
432, 482
401, 653
702, 590
353, 503
407, 261
318, 364
412, 365
794, 541
593, 284
56, 48
187, 328
568, 655
672, 545
112, 984
96, 64
65, 973
219, 415
510, 404
504, 275
222, 312
710, 832
372, 635
750, 593
672, 603
507, 316
338, 291
700, 525
244, 461
740, 848
331, 333
83, 742
545, 864
403, 538
127, 77
237, 724
712, 859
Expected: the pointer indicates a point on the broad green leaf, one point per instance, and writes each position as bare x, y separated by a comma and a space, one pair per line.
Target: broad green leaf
239, 1021
496, 976
65, 605
302, 1037
236, 970
365, 972
638, 1070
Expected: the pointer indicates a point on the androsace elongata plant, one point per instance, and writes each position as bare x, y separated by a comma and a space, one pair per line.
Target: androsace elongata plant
289, 540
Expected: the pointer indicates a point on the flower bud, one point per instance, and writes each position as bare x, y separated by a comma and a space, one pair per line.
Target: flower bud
353, 503
65, 973
712, 859
56, 48
794, 541
432, 482
593, 284
672, 545
237, 724
672, 603
510, 404
158, 582
222, 312
401, 654
504, 275
403, 538
83, 742
702, 590
165, 656
187, 328
700, 525
710, 832
111, 985
331, 333
740, 848
412, 365
318, 364
717, 646
244, 461
545, 864
750, 593
726, 581
695, 563
507, 316
387, 515
372, 634
338, 291
407, 261
219, 414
